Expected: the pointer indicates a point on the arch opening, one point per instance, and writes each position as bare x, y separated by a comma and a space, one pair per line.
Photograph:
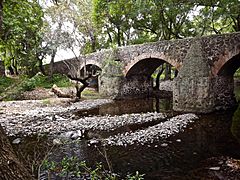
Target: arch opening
151, 77
227, 85
91, 72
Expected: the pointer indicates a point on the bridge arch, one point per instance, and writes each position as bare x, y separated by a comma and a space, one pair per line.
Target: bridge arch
226, 60
224, 84
146, 60
91, 70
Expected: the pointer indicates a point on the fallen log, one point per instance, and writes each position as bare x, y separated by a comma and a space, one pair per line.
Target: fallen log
56, 90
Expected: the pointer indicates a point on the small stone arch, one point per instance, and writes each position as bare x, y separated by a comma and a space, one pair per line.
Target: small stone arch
91, 62
150, 57
90, 68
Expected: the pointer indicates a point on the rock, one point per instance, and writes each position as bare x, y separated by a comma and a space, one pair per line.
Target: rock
93, 141
16, 141
57, 142
164, 145
215, 168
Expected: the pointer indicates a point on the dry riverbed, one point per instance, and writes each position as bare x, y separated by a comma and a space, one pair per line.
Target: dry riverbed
55, 117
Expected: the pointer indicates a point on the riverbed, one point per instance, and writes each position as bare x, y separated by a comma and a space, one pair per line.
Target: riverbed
136, 135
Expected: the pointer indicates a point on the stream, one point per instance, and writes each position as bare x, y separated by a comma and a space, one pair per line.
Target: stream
175, 157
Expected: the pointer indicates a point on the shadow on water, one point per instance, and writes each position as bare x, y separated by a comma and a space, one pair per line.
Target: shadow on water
120, 107
235, 128
213, 135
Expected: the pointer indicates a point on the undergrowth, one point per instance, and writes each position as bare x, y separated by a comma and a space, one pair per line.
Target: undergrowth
12, 88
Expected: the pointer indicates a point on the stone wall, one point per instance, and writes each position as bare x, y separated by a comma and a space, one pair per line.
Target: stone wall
193, 88
224, 92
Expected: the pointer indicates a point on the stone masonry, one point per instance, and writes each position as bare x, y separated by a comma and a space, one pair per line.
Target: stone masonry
206, 66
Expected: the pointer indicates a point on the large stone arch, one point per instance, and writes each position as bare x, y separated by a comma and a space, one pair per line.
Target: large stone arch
224, 82
150, 56
228, 58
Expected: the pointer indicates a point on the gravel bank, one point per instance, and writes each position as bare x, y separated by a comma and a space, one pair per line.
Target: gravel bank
160, 131
34, 117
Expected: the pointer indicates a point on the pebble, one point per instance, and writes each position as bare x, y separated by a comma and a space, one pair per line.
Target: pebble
164, 145
16, 141
215, 168
159, 131
59, 120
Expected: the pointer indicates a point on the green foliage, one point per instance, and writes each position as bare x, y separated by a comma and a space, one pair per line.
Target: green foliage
12, 89
237, 73
5, 82
137, 176
124, 22
73, 167
40, 80
235, 128
20, 38
90, 94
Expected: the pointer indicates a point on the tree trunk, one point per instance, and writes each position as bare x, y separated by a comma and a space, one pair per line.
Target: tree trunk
84, 82
14, 65
158, 77
11, 71
41, 68
52, 63
175, 73
80, 89
167, 72
118, 36
10, 167
1, 18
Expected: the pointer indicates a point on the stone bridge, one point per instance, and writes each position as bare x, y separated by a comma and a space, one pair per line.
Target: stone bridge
205, 64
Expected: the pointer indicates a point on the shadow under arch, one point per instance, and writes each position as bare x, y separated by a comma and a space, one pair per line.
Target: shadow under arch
224, 83
230, 67
140, 76
145, 67
92, 71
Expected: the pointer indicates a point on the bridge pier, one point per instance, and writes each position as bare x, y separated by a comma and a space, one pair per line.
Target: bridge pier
193, 94
123, 88
193, 88
113, 83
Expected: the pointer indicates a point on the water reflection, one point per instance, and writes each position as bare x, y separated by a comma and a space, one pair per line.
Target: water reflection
130, 106
235, 128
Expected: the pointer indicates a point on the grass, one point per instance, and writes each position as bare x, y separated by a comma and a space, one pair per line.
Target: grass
6, 82
90, 94
12, 88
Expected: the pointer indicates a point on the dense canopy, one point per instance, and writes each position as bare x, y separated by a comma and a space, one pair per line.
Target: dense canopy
32, 29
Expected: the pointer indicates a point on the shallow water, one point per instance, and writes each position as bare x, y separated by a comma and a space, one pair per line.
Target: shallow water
213, 135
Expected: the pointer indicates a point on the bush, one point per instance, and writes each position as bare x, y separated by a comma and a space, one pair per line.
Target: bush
72, 167
5, 82
12, 88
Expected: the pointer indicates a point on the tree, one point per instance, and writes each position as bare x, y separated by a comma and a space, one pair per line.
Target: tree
20, 34
216, 17
10, 166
